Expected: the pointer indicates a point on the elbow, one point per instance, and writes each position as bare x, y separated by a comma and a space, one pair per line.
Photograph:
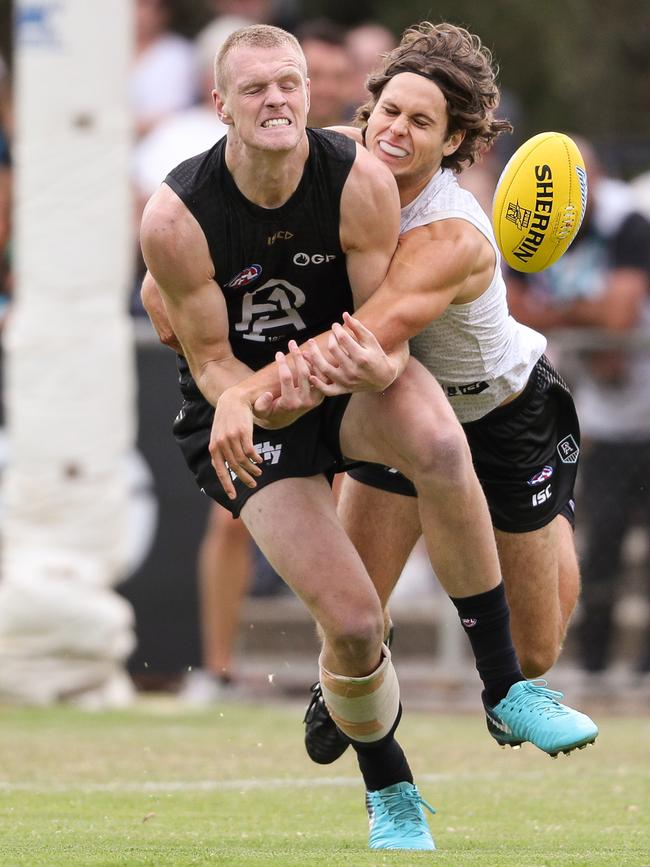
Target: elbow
148, 286
150, 296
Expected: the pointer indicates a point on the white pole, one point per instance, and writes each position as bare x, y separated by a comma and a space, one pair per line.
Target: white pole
69, 358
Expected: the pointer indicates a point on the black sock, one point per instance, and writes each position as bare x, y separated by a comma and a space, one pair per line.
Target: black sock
486, 620
382, 763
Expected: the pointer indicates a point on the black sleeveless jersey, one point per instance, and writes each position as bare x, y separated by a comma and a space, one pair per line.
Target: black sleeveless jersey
282, 270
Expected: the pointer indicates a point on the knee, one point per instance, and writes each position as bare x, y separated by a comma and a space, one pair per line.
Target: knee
355, 638
444, 462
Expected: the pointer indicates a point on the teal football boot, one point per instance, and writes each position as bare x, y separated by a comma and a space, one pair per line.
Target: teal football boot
397, 819
531, 712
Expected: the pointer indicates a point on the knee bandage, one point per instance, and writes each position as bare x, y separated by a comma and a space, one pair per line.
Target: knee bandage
364, 708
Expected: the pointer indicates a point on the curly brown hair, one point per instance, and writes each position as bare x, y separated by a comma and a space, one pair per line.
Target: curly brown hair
462, 67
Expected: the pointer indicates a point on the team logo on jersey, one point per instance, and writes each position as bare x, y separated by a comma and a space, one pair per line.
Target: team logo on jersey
541, 476
313, 259
245, 277
270, 312
568, 450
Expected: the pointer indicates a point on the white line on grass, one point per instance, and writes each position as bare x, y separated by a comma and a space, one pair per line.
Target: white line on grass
267, 783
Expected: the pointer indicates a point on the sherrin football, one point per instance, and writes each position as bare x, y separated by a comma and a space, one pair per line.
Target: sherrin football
539, 201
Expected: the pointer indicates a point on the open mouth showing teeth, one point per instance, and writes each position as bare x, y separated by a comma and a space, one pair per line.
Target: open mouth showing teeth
391, 150
276, 121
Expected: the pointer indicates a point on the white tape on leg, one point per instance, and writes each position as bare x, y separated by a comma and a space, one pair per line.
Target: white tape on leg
364, 708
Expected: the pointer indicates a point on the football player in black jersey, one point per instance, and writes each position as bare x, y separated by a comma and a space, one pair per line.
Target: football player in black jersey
263, 174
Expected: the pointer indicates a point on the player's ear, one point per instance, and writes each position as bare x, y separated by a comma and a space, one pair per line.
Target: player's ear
221, 107
307, 94
453, 142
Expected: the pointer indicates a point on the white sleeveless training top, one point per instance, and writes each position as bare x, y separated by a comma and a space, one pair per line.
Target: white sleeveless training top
478, 353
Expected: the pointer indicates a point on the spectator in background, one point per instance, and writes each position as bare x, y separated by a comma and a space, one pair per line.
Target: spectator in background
230, 15
164, 78
330, 70
179, 136
367, 44
603, 282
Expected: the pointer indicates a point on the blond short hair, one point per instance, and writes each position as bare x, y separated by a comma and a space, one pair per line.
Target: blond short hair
255, 36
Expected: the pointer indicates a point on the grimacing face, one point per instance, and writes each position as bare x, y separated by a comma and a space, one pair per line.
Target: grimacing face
407, 129
267, 97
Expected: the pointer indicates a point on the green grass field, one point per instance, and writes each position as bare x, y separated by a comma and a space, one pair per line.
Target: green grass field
158, 785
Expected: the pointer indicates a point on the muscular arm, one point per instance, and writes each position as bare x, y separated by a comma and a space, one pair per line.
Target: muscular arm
190, 304
155, 307
445, 262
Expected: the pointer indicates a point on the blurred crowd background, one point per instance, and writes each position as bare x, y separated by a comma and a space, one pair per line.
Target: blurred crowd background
582, 68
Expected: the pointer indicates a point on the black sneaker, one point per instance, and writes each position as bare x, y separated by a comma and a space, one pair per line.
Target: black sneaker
323, 740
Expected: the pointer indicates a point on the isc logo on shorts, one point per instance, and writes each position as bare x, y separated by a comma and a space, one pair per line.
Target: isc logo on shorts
542, 496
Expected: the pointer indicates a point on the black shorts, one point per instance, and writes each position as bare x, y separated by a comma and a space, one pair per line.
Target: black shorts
525, 455
306, 448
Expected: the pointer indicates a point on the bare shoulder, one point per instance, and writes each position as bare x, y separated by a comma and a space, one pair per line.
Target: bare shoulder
464, 238
370, 200
165, 218
173, 244
352, 132
369, 172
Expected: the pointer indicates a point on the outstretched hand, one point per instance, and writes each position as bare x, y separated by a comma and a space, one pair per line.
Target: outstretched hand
359, 363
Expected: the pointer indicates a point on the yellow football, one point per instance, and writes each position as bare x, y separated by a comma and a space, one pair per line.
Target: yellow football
539, 201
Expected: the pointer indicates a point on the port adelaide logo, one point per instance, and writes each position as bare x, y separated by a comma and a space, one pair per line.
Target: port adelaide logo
568, 450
